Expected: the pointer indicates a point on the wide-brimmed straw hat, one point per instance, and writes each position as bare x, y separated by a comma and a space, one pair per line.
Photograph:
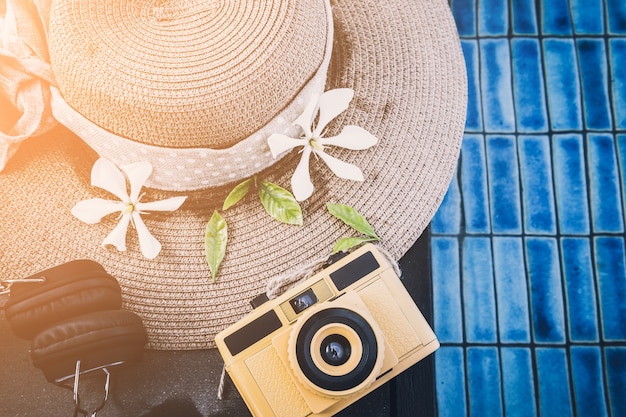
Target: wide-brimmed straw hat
191, 98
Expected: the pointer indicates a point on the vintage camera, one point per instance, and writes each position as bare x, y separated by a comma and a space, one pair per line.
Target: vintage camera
327, 342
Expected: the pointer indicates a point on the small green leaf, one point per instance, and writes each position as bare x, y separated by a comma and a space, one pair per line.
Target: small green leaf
280, 203
215, 240
346, 243
237, 194
352, 218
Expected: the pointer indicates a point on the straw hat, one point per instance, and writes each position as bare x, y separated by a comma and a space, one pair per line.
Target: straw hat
184, 96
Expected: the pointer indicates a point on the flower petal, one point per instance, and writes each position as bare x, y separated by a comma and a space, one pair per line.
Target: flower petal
342, 169
93, 210
280, 143
169, 204
107, 176
301, 184
117, 237
137, 173
351, 137
305, 120
331, 104
150, 247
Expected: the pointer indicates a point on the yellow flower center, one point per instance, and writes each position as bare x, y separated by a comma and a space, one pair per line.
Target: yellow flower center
315, 145
130, 207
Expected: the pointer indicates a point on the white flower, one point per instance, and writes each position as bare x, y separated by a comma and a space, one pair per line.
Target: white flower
107, 176
330, 105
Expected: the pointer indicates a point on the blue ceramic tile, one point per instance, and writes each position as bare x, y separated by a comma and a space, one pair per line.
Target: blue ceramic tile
518, 382
447, 220
570, 184
511, 290
553, 382
464, 16
546, 290
493, 17
588, 16
538, 192
450, 380
483, 374
474, 185
611, 273
497, 95
446, 278
621, 153
588, 379
530, 102
594, 75
563, 84
617, 16
503, 174
524, 17
604, 185
555, 15
615, 358
617, 56
580, 290
478, 290
473, 121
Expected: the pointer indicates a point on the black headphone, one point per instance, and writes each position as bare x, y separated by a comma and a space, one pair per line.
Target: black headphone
72, 313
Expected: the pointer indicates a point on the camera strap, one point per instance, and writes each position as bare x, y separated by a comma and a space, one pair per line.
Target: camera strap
281, 283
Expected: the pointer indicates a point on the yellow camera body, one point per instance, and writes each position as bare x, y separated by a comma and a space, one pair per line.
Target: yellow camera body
327, 342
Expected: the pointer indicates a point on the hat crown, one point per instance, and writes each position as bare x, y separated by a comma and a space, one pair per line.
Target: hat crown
185, 73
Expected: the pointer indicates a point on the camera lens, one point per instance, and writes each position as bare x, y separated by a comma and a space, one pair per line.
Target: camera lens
335, 350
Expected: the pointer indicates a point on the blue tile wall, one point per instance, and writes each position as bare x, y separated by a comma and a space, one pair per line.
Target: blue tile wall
497, 93
528, 248
588, 16
587, 376
503, 173
450, 381
524, 17
518, 382
478, 291
617, 16
538, 191
474, 185
483, 375
594, 77
615, 364
563, 84
530, 102
604, 185
580, 291
512, 294
555, 17
553, 380
473, 121
570, 177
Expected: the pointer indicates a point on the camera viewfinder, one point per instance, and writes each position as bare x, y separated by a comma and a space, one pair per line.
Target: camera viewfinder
303, 301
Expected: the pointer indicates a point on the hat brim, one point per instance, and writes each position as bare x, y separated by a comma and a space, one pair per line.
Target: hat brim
404, 61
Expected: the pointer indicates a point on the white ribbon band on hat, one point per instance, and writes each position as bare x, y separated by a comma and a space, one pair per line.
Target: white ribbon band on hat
186, 169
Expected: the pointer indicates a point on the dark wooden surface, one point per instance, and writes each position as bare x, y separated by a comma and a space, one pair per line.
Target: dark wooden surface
184, 383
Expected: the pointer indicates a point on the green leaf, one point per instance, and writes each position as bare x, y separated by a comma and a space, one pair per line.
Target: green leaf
280, 203
215, 240
237, 194
346, 243
352, 218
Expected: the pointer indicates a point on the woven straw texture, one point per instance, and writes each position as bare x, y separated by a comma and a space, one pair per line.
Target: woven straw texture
403, 60
211, 73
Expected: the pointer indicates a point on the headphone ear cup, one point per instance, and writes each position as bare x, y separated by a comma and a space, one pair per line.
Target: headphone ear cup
97, 339
69, 290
